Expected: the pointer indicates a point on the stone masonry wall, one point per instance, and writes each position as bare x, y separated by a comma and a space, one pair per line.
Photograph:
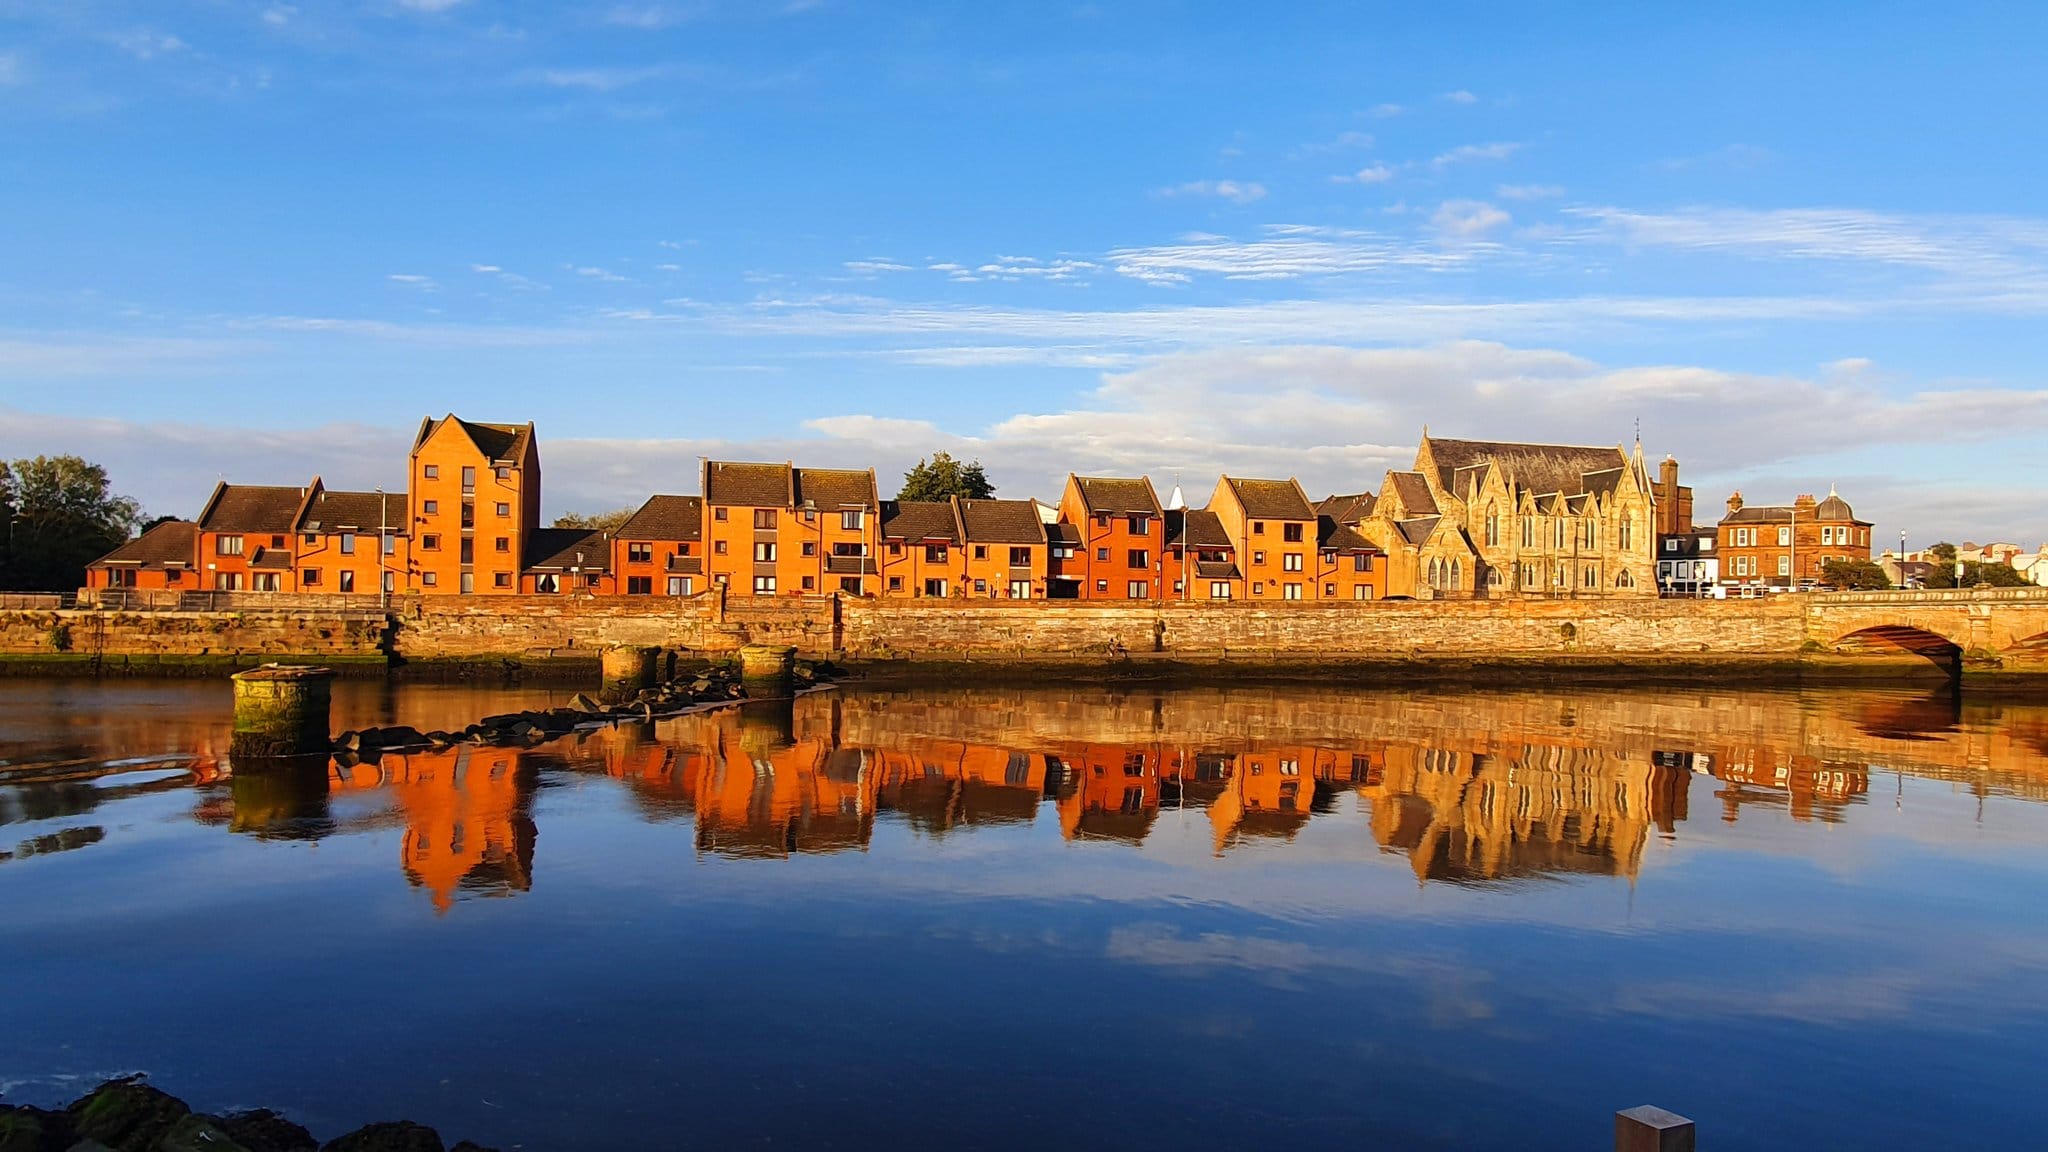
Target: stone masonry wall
182, 634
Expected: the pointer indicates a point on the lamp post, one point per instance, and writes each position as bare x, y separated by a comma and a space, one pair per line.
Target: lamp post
383, 535
1902, 557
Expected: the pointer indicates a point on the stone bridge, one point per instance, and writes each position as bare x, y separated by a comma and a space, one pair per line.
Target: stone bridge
2006, 627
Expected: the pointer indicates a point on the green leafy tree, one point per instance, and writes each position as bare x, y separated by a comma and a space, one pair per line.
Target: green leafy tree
1943, 553
1854, 575
603, 521
942, 477
61, 515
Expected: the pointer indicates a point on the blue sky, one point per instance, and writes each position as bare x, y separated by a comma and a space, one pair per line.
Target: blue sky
1803, 244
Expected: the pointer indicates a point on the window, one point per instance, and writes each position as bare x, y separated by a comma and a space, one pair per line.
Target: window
1492, 526
504, 509
1020, 557
1138, 589
1590, 578
429, 579
310, 577
469, 513
640, 553
348, 543
1589, 534
391, 545
895, 549
1784, 536
1784, 565
935, 553
809, 548
718, 548
430, 507
1102, 554
895, 583
468, 478
1258, 527
1624, 580
1219, 589
1258, 587
810, 583
467, 583
764, 585
1557, 533
1102, 586
1291, 562
1138, 558
1138, 524
1329, 591
1528, 531
764, 519
430, 543
1329, 559
227, 581
591, 580
431, 471
1020, 589
277, 541
310, 539
850, 520
679, 585
718, 514
639, 585
266, 581
1628, 532
172, 575
764, 552
1259, 558
227, 546
502, 544
1361, 562
468, 550
346, 581
1671, 545
850, 585
501, 580
935, 587
980, 586
1528, 575
1361, 591
1291, 533
846, 549
1062, 552
981, 551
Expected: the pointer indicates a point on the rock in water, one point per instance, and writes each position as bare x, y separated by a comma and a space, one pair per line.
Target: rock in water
396, 1136
25, 1129
196, 1133
583, 703
127, 1115
265, 1131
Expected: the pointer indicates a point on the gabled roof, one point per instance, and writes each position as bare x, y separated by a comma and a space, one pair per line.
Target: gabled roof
1532, 467
1217, 570
332, 511
559, 549
1112, 494
1271, 499
665, 518
1063, 533
830, 489
915, 520
749, 485
1346, 509
1002, 522
1332, 536
1413, 491
171, 544
506, 443
1417, 531
252, 508
1197, 528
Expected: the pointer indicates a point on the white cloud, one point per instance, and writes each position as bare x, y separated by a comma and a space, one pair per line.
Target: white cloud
1528, 191
423, 283
1466, 153
429, 5
650, 17
1236, 192
1288, 252
1372, 174
596, 79
871, 267
602, 274
278, 15
485, 268
1385, 111
1461, 97
146, 45
1344, 142
1467, 218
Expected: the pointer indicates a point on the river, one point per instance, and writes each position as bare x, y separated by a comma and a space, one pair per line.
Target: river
1033, 918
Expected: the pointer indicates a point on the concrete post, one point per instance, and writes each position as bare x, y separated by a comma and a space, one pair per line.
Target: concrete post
1652, 1129
768, 670
280, 710
627, 670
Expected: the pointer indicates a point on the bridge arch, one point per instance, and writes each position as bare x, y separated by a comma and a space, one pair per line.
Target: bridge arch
1903, 639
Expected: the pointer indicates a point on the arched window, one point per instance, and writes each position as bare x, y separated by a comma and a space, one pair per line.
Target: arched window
1557, 533
1492, 526
1528, 531
1624, 580
1592, 533
1457, 576
1434, 581
1628, 532
1493, 578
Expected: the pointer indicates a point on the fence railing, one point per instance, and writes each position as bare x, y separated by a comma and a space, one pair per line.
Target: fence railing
153, 600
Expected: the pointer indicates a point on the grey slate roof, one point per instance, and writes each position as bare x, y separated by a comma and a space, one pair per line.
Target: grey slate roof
253, 508
1413, 490
1113, 494
1197, 528
1535, 468
674, 518
1002, 522
1271, 499
172, 543
915, 520
749, 485
559, 549
335, 511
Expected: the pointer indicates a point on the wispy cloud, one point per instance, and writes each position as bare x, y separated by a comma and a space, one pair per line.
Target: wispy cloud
146, 45
651, 17
1385, 111
1237, 192
1288, 252
429, 5
605, 275
1467, 218
1344, 142
596, 79
872, 267
423, 283
1528, 191
1468, 153
1461, 97
1371, 174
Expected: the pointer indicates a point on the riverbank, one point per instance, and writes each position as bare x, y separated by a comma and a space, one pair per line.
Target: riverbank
127, 1115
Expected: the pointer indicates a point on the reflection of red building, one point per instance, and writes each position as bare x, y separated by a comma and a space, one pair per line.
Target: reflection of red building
468, 826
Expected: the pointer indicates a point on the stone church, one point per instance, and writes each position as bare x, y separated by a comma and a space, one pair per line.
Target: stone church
1490, 520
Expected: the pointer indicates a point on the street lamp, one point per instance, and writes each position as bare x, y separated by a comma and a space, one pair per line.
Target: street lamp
383, 567
1902, 557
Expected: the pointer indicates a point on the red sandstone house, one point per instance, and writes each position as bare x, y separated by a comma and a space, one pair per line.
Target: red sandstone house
1784, 547
568, 561
159, 560
775, 529
475, 506
1272, 527
1201, 561
920, 549
659, 551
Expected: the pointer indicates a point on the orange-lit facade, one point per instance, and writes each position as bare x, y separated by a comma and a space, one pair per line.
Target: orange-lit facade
159, 560
1784, 547
1120, 538
1004, 549
351, 542
1348, 566
659, 551
1201, 561
1272, 527
779, 530
245, 538
920, 549
475, 506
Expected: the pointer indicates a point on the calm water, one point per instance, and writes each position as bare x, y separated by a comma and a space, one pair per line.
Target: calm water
1032, 919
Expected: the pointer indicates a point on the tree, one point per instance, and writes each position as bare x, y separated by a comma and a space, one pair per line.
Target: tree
60, 516
1974, 574
601, 522
1943, 553
943, 477
1854, 575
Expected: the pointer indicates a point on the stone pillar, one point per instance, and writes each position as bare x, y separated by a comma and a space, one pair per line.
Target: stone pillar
1652, 1129
627, 670
767, 726
280, 710
768, 670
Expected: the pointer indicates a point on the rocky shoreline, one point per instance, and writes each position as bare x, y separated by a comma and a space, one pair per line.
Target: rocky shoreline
127, 1115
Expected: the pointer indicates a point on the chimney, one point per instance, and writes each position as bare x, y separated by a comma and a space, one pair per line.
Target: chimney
1805, 500
1735, 501
1667, 474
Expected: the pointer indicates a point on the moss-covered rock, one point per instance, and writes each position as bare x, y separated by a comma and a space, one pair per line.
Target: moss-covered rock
196, 1133
25, 1129
262, 1130
395, 1136
127, 1115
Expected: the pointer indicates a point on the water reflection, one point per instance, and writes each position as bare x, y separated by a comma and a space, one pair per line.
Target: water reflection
1466, 788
